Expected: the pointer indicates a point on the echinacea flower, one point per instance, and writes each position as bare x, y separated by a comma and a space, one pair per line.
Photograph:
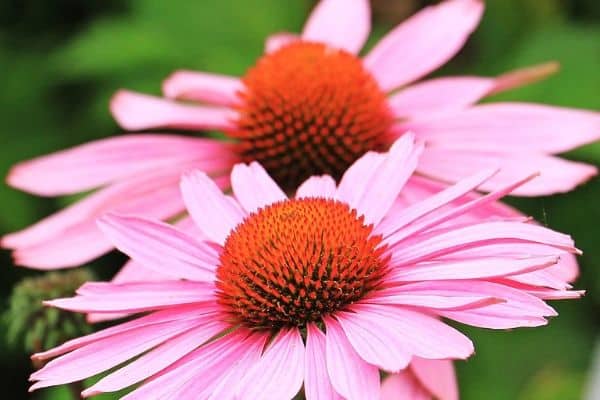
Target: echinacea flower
309, 106
320, 291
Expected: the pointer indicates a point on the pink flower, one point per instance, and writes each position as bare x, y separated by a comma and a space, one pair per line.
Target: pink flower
309, 106
323, 290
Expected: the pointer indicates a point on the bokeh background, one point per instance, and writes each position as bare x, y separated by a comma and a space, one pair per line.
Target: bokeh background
61, 60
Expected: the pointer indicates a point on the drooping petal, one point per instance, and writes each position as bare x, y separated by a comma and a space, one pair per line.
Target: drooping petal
425, 203
70, 237
339, 23
185, 313
437, 376
131, 271
452, 214
198, 372
517, 127
439, 96
433, 245
421, 334
518, 309
226, 387
427, 300
135, 297
253, 187
135, 111
376, 344
278, 40
108, 160
423, 42
220, 365
202, 86
317, 186
280, 371
556, 174
106, 353
471, 268
316, 380
157, 359
213, 212
161, 247
356, 380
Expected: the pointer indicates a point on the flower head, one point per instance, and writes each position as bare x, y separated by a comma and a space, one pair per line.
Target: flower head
323, 290
310, 105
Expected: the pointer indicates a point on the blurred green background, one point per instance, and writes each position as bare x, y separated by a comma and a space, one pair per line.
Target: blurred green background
60, 61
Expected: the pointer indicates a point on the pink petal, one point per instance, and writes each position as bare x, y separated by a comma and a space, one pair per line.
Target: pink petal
70, 237
403, 385
355, 179
254, 188
135, 111
202, 86
316, 381
108, 160
423, 42
130, 272
451, 214
428, 202
556, 175
200, 370
226, 387
279, 40
213, 212
186, 313
135, 272
396, 296
437, 376
439, 96
339, 23
72, 247
317, 186
161, 247
379, 185
474, 268
519, 127
519, 308
350, 375
375, 343
106, 353
157, 359
421, 334
280, 371
434, 245
135, 297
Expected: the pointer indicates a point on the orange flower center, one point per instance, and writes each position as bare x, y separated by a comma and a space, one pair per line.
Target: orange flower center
295, 261
308, 109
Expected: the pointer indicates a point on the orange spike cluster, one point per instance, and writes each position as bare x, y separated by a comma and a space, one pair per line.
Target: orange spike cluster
297, 260
308, 109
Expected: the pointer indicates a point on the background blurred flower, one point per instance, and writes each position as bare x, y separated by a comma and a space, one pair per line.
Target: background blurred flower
308, 106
